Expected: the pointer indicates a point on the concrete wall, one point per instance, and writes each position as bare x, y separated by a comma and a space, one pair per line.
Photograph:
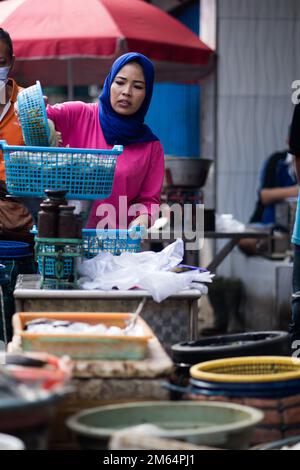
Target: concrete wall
258, 61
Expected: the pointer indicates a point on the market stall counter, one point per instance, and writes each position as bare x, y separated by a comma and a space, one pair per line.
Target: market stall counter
97, 382
172, 320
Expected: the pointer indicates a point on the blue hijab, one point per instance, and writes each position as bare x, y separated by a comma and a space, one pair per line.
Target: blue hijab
124, 130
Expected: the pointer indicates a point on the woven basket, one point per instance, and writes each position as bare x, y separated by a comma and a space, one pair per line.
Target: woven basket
255, 369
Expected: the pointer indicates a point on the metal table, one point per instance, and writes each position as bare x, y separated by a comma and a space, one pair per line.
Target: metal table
169, 236
233, 239
174, 319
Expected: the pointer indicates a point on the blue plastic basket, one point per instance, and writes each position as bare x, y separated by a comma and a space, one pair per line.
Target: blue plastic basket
47, 267
32, 116
278, 389
94, 242
84, 173
113, 241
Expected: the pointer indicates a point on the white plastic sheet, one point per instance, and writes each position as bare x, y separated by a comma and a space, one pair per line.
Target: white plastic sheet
227, 223
147, 270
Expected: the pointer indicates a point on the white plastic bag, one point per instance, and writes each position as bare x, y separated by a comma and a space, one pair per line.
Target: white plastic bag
147, 270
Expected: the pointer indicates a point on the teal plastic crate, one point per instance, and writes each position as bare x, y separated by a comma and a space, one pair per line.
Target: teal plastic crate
32, 116
57, 258
84, 173
116, 241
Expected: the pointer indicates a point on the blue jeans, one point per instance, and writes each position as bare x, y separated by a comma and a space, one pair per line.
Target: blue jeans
294, 326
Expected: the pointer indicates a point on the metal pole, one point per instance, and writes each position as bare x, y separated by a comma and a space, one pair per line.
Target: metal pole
2, 307
70, 80
193, 320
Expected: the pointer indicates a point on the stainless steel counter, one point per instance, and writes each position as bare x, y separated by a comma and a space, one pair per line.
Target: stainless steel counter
174, 319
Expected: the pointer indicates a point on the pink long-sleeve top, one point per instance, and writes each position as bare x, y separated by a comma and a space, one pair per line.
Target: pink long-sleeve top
139, 170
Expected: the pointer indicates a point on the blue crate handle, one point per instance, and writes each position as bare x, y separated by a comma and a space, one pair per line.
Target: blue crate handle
136, 232
116, 150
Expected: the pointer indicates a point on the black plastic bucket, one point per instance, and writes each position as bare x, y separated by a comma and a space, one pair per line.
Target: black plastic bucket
257, 343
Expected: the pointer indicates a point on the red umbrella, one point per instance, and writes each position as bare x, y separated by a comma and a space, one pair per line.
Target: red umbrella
76, 41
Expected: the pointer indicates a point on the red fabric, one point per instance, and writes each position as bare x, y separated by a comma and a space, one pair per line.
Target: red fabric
60, 29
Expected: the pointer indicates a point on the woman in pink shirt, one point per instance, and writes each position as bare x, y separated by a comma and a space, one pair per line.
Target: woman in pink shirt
118, 118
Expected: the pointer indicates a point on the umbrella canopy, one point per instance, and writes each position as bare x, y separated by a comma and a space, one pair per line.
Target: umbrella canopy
76, 41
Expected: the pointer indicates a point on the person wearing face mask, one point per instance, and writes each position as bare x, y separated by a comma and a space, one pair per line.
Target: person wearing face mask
11, 132
10, 129
15, 219
118, 118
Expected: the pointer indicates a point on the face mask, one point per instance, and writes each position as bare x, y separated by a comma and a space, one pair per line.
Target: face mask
4, 73
3, 79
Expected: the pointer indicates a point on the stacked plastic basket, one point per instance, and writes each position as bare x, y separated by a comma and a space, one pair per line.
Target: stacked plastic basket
269, 383
84, 173
57, 258
259, 376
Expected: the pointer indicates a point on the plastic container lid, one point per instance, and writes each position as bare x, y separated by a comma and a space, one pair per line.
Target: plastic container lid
12, 249
8, 442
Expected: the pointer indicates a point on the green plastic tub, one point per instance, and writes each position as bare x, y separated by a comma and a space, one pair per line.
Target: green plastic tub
216, 424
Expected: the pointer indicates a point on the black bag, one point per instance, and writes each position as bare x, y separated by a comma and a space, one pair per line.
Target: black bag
15, 220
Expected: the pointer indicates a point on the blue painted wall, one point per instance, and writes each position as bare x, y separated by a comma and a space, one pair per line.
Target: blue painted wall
174, 114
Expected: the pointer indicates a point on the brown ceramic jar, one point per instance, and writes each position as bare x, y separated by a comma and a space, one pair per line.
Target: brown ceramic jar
47, 221
56, 197
67, 222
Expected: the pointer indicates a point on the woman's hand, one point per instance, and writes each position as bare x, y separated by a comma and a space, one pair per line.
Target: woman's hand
55, 136
16, 109
141, 221
273, 195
